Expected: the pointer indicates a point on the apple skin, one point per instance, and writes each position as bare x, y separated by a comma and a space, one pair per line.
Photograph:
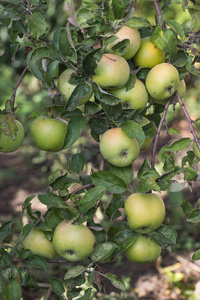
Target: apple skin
112, 72
48, 134
143, 250
145, 212
38, 244
133, 35
67, 88
135, 98
117, 148
148, 55
9, 144
162, 81
144, 121
73, 242
181, 89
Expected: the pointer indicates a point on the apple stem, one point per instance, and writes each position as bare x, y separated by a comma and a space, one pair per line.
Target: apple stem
12, 98
158, 133
190, 121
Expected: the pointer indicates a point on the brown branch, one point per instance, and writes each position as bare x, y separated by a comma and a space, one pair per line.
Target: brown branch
158, 132
159, 14
188, 119
12, 98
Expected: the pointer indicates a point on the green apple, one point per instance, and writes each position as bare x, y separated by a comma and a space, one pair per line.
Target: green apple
13, 290
196, 150
11, 144
133, 35
145, 212
181, 89
67, 88
144, 121
162, 81
48, 134
135, 98
38, 244
73, 242
143, 250
112, 72
117, 148
148, 55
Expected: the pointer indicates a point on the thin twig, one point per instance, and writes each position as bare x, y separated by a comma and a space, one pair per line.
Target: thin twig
12, 98
159, 14
188, 119
158, 132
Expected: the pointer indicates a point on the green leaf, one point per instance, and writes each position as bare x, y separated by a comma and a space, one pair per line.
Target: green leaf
164, 236
36, 24
89, 62
51, 199
118, 8
5, 230
138, 22
81, 90
134, 130
52, 71
77, 163
57, 286
196, 255
36, 261
108, 180
194, 217
87, 295
90, 198
176, 27
27, 201
165, 40
103, 251
179, 145
116, 203
105, 97
74, 272
119, 284
75, 127
126, 173
2, 50
124, 239
187, 207
172, 131
176, 186
5, 258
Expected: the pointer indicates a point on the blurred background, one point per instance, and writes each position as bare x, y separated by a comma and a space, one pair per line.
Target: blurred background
27, 172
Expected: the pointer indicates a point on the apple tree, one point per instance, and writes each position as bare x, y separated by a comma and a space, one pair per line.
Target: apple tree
113, 74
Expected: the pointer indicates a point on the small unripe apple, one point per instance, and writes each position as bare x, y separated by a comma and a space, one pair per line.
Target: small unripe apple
162, 81
133, 35
67, 88
10, 144
112, 72
145, 212
48, 134
38, 244
73, 242
148, 55
117, 148
135, 98
143, 250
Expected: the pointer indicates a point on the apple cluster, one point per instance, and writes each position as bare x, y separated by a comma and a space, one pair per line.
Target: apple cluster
72, 242
145, 213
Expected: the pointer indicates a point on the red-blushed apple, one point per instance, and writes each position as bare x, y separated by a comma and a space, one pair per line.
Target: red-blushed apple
10, 144
112, 72
162, 81
38, 244
67, 88
133, 35
148, 55
48, 134
145, 212
135, 98
143, 250
117, 148
73, 242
